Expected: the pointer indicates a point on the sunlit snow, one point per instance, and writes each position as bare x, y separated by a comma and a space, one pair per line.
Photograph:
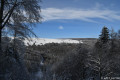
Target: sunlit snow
42, 41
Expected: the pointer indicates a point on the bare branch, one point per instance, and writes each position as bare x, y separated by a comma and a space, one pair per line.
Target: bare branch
10, 13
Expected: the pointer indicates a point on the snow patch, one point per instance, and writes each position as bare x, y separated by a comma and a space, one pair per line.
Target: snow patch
42, 41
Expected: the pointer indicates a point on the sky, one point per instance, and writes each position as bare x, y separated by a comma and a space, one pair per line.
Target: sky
77, 18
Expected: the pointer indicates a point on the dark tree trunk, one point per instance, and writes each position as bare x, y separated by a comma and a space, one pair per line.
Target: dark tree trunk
1, 21
0, 36
0, 39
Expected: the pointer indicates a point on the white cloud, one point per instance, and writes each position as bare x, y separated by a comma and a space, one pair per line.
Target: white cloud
79, 14
61, 27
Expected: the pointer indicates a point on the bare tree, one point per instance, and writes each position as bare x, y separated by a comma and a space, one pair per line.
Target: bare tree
19, 15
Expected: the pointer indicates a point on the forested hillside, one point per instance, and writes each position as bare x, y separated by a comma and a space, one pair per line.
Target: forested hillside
59, 41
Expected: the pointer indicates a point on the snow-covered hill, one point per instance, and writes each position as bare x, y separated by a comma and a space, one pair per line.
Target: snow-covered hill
42, 41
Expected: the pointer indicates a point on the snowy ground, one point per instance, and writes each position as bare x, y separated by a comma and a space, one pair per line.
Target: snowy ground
42, 41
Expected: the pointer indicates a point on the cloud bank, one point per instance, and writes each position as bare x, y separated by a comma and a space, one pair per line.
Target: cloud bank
79, 14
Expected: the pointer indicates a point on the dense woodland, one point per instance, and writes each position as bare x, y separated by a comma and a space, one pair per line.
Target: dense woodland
90, 60
81, 61
64, 61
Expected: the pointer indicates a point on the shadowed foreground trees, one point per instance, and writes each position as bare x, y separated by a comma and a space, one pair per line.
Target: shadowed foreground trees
80, 61
17, 18
74, 65
107, 55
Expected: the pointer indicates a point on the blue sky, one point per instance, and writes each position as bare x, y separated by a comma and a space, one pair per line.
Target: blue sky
77, 18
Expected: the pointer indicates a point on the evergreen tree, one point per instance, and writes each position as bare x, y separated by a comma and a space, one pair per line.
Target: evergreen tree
104, 37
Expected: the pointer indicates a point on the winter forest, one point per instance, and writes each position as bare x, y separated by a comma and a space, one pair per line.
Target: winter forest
49, 53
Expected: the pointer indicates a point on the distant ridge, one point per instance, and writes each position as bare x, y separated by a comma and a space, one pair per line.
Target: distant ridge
88, 41
81, 38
